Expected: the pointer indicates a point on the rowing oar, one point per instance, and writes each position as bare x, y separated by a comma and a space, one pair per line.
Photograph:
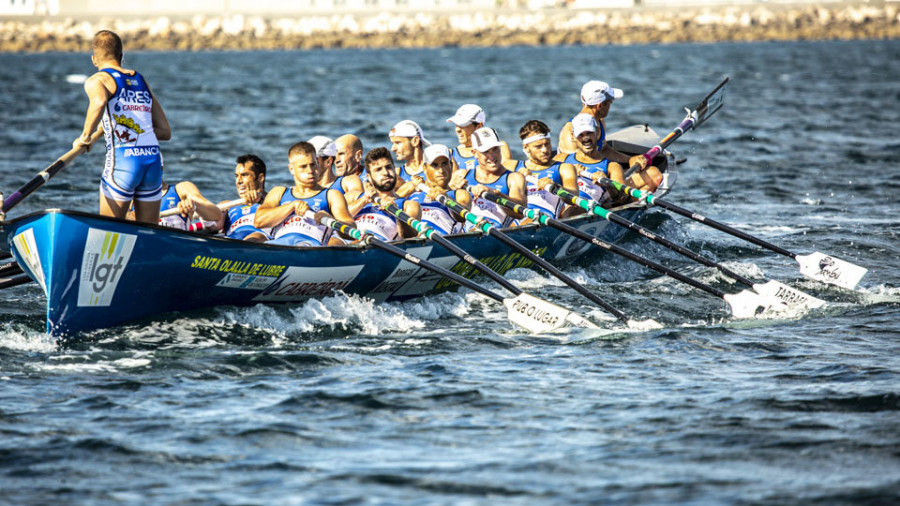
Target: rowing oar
783, 293
494, 231
429, 233
816, 265
744, 304
710, 104
9, 268
43, 176
21, 279
533, 314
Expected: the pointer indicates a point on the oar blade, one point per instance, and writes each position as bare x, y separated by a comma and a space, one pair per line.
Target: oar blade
649, 324
789, 296
538, 316
831, 270
747, 304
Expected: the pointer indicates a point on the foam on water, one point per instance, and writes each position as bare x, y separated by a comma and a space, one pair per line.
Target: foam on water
14, 338
76, 78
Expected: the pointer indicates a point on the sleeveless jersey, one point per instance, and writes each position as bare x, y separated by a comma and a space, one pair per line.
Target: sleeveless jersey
300, 230
382, 224
485, 209
539, 199
436, 215
407, 175
170, 200
239, 222
463, 162
586, 187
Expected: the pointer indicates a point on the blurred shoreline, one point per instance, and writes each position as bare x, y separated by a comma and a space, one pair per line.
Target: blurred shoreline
639, 25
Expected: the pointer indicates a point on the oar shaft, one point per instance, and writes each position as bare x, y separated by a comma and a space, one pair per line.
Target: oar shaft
399, 252
14, 281
652, 200
595, 208
430, 233
9, 268
43, 176
530, 255
543, 219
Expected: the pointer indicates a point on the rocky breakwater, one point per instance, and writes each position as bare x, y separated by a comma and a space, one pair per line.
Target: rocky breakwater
493, 28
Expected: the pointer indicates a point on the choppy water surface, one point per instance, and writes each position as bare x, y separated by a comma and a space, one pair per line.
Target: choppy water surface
339, 401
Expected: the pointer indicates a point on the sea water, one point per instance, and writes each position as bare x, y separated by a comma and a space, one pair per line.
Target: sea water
340, 400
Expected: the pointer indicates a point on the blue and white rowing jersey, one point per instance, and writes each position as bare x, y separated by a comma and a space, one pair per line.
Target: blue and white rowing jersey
540, 199
380, 223
586, 187
436, 215
170, 200
302, 230
404, 173
133, 167
464, 162
485, 209
239, 222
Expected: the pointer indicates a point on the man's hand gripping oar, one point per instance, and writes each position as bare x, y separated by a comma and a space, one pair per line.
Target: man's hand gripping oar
532, 314
493, 231
522, 307
779, 292
744, 304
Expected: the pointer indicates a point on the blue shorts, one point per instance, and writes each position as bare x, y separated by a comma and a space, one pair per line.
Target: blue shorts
133, 173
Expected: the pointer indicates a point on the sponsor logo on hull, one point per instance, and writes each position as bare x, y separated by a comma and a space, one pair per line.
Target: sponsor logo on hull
28, 252
301, 283
105, 257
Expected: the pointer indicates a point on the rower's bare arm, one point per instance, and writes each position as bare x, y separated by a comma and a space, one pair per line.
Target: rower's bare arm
160, 122
566, 142
464, 198
206, 210
612, 155
412, 208
504, 150
569, 178
339, 209
353, 188
271, 212
517, 192
98, 92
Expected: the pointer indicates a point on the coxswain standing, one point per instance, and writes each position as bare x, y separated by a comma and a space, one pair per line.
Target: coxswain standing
438, 171
468, 118
539, 169
133, 123
490, 174
284, 209
382, 181
250, 182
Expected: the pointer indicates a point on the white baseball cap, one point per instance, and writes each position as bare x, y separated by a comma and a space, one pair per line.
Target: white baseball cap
485, 138
583, 123
436, 151
597, 92
408, 128
467, 114
324, 146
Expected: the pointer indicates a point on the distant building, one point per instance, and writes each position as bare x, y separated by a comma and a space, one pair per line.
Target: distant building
29, 7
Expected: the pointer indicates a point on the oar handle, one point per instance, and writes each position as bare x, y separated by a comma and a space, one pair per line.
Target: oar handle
43, 176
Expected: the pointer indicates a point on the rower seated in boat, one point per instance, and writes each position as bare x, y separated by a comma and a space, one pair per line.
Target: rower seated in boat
185, 197
539, 168
438, 170
588, 162
468, 118
492, 174
250, 182
347, 172
285, 209
368, 210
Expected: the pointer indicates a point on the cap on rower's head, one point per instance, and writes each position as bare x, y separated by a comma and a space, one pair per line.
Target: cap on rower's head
583, 123
324, 146
408, 128
467, 114
436, 151
485, 138
597, 92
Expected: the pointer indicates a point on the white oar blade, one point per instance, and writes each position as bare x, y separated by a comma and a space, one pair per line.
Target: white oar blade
538, 316
747, 304
831, 270
787, 295
649, 324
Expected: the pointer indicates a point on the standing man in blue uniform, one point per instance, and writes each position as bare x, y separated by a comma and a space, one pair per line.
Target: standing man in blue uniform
133, 123
250, 182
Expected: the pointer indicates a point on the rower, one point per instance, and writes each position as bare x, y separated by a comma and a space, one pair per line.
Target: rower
349, 184
250, 182
468, 118
285, 209
188, 200
326, 152
379, 189
438, 170
408, 145
349, 156
588, 162
543, 169
491, 173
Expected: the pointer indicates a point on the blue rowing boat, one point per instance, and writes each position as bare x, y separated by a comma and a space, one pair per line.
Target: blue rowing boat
98, 272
